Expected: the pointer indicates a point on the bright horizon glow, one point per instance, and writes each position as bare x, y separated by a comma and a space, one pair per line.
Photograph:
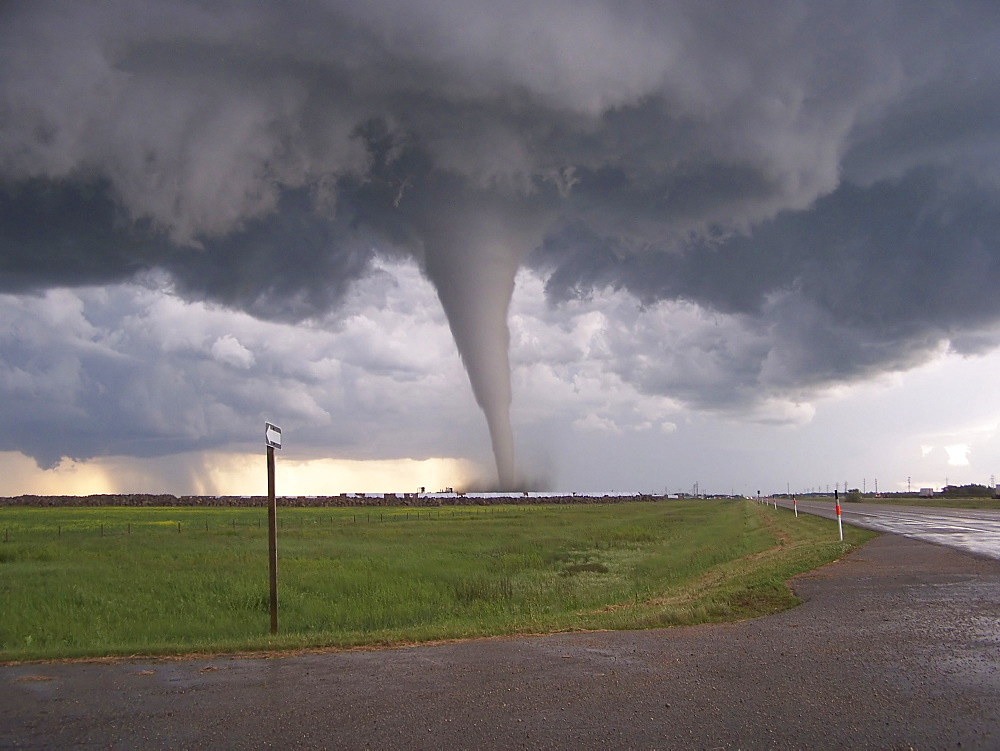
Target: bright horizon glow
936, 424
229, 474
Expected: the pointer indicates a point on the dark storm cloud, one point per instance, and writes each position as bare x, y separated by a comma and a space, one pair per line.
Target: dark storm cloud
868, 279
827, 172
287, 265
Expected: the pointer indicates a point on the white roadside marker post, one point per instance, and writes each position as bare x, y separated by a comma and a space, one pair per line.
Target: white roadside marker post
272, 437
840, 523
795, 506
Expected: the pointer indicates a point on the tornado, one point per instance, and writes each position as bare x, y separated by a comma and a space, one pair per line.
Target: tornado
471, 255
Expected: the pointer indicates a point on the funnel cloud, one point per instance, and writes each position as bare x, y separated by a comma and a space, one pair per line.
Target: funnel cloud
472, 257
470, 241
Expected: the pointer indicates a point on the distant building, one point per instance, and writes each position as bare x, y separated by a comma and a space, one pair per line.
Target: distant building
926, 492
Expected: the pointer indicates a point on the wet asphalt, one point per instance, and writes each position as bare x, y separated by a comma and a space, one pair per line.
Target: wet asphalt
896, 646
972, 530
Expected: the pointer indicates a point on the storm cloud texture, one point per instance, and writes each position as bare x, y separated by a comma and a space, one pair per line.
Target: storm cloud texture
820, 178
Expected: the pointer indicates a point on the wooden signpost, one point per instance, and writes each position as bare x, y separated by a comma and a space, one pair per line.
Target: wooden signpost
272, 438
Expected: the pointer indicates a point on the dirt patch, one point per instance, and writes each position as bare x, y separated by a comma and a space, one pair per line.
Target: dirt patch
783, 537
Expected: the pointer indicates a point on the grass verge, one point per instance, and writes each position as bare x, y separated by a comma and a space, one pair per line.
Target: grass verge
88, 582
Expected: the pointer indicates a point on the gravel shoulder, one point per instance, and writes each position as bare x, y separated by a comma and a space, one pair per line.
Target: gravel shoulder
896, 646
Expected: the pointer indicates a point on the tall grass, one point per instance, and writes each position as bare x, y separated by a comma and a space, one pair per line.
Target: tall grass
96, 581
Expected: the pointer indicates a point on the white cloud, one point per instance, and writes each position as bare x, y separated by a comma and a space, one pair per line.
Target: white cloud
958, 455
228, 350
137, 366
595, 422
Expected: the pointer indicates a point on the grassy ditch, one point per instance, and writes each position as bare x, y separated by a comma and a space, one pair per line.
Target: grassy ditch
118, 581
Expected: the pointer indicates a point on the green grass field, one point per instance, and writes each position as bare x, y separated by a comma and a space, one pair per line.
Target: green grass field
119, 581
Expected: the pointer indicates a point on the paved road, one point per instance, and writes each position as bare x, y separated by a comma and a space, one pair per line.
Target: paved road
896, 646
972, 530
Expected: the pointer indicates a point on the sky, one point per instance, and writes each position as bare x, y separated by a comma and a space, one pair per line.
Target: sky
569, 245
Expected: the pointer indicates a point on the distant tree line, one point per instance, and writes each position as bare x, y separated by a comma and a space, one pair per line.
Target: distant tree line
974, 490
967, 491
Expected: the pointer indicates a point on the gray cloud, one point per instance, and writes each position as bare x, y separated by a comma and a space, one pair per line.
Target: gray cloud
128, 370
827, 172
868, 278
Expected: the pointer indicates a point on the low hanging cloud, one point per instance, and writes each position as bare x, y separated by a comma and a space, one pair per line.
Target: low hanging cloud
869, 279
130, 371
821, 177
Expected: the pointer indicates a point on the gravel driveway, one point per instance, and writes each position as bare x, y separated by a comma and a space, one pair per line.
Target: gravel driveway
896, 646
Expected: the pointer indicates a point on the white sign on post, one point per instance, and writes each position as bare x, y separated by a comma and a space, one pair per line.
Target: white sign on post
272, 435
